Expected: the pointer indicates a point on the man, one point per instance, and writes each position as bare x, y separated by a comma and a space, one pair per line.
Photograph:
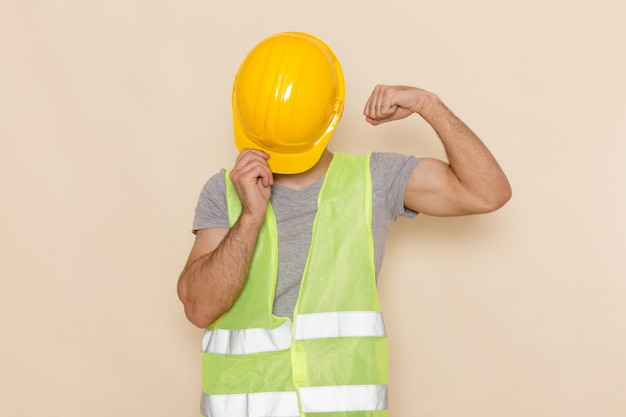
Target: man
289, 241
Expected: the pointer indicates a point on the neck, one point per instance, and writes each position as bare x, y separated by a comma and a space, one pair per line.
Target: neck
304, 179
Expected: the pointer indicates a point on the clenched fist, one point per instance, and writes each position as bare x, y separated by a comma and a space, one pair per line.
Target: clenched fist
388, 103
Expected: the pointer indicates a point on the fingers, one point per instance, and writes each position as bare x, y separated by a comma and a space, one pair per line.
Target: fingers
251, 166
380, 105
387, 103
249, 155
252, 179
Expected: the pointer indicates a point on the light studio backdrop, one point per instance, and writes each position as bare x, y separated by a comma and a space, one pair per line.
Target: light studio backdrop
113, 114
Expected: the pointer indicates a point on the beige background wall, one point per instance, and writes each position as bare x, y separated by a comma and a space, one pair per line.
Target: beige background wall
113, 114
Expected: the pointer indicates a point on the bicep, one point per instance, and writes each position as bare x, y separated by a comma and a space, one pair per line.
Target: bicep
434, 189
206, 241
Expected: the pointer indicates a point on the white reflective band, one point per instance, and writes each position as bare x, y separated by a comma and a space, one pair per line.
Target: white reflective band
246, 341
258, 404
339, 324
343, 398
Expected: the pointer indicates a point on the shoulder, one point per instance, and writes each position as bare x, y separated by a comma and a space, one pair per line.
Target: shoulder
215, 185
211, 207
390, 174
392, 166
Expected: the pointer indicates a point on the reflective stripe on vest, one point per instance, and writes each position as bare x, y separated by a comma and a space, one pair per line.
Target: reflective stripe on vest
247, 341
343, 398
310, 326
339, 324
331, 399
258, 404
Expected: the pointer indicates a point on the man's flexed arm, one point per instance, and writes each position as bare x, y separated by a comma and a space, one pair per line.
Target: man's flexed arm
472, 182
219, 261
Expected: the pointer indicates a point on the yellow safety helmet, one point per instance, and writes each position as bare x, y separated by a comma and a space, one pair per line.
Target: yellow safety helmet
287, 99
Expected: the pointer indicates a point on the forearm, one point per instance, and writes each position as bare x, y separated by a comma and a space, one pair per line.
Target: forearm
470, 161
209, 285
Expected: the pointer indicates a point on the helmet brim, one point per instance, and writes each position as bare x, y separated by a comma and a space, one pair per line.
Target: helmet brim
286, 163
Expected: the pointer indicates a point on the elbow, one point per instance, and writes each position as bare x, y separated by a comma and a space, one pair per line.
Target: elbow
198, 314
504, 194
195, 312
498, 198
199, 319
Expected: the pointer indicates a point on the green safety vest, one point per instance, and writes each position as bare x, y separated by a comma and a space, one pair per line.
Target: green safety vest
332, 359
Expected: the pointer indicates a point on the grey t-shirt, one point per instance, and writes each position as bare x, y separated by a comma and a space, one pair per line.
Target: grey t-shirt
295, 212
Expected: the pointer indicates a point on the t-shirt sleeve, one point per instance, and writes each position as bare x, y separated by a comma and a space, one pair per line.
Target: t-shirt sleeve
390, 176
211, 209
